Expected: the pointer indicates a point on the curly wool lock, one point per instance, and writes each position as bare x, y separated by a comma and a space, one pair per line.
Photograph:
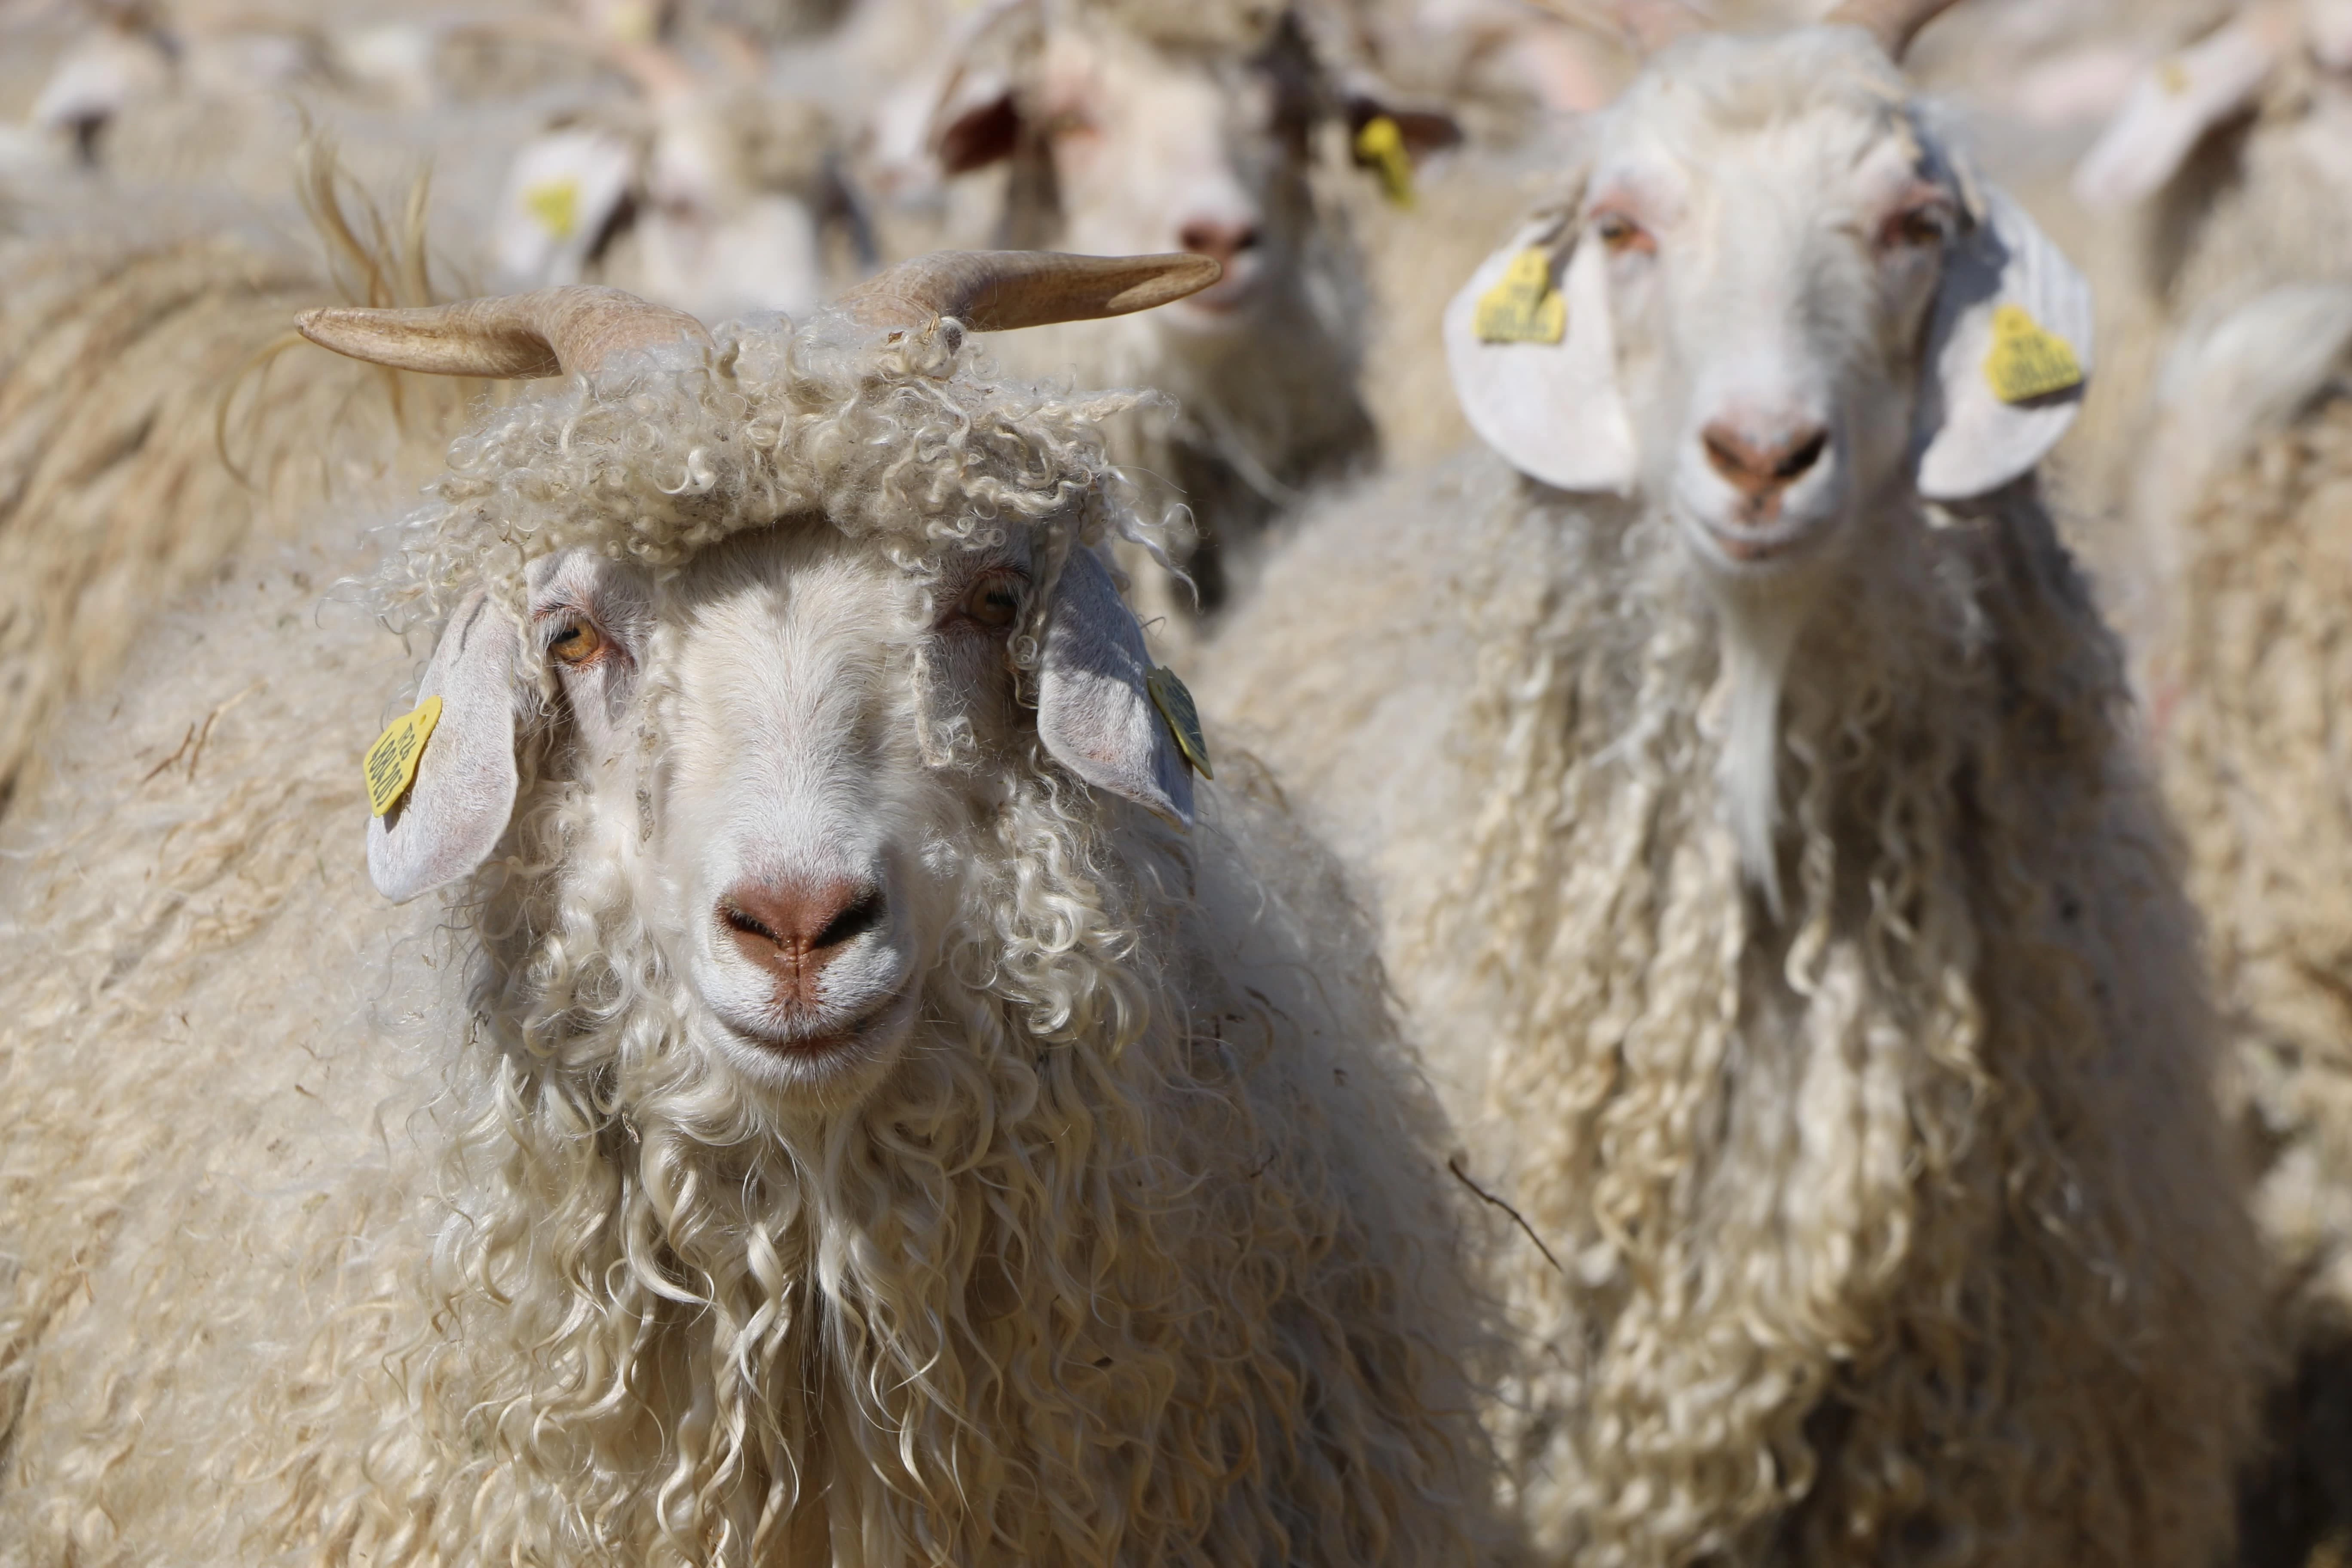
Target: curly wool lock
915, 441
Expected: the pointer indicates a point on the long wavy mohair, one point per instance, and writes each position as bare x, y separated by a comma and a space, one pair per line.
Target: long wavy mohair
1134, 1257
1901, 1227
2254, 750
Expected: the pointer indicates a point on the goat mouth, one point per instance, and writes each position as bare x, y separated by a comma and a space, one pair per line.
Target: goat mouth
1221, 301
1761, 547
819, 1044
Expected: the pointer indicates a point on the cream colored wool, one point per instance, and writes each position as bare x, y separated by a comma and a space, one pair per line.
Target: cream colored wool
2254, 750
148, 431
1133, 1258
1897, 1232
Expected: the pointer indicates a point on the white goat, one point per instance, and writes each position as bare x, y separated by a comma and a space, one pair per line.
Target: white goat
712, 196
1746, 782
873, 1132
1141, 128
2244, 512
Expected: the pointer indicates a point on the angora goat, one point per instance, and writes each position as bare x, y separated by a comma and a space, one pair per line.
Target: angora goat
872, 1130
1747, 782
1139, 127
2247, 512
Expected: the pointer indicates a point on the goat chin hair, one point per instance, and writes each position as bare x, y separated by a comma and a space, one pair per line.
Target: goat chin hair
1133, 1258
1858, 1241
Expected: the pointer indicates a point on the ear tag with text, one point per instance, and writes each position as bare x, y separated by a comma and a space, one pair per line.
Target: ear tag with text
1175, 704
1524, 307
2028, 361
1380, 147
555, 204
391, 760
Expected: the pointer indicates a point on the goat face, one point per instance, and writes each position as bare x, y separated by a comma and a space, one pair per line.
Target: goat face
1154, 152
1780, 296
776, 755
1148, 148
1770, 283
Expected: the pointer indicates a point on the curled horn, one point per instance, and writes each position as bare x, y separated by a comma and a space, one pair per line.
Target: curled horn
1893, 23
569, 331
998, 290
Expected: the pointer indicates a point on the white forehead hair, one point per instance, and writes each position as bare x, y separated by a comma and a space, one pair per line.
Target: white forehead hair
1710, 87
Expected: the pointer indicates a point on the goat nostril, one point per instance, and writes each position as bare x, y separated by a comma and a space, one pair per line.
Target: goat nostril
745, 925
1221, 240
1801, 455
793, 922
860, 917
1757, 469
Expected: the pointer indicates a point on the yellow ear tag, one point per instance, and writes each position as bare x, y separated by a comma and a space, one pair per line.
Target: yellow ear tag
1524, 307
556, 205
391, 760
1380, 147
2028, 361
1175, 705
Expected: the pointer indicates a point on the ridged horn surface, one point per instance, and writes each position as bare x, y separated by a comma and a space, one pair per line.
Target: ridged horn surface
573, 330
998, 290
1893, 23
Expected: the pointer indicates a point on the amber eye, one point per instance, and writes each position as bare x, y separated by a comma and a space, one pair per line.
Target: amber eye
577, 643
994, 602
1921, 228
1622, 234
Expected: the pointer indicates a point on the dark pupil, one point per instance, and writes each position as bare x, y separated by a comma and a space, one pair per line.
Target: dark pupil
565, 638
1000, 603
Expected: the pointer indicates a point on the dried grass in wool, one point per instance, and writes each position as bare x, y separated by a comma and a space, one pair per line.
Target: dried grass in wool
150, 428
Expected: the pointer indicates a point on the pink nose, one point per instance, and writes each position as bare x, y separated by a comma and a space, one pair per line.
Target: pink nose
1219, 240
795, 929
1762, 468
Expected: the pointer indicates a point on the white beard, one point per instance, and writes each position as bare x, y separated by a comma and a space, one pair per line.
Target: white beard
1759, 633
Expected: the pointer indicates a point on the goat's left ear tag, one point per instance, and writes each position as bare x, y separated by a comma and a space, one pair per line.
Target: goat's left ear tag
2028, 360
391, 760
1523, 307
1380, 147
1175, 704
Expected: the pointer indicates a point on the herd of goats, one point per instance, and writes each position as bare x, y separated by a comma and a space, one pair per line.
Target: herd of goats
1176, 782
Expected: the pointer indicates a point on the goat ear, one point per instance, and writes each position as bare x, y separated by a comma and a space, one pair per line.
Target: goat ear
977, 130
2177, 103
1549, 405
1095, 710
455, 812
2008, 292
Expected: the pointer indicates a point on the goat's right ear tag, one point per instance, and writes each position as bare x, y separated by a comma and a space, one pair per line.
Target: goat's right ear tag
391, 760
1098, 712
1524, 307
1174, 701
2008, 360
1535, 365
449, 812
2028, 361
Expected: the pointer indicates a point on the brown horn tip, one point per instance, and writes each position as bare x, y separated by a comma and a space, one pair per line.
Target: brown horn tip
1002, 290
1893, 23
569, 331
